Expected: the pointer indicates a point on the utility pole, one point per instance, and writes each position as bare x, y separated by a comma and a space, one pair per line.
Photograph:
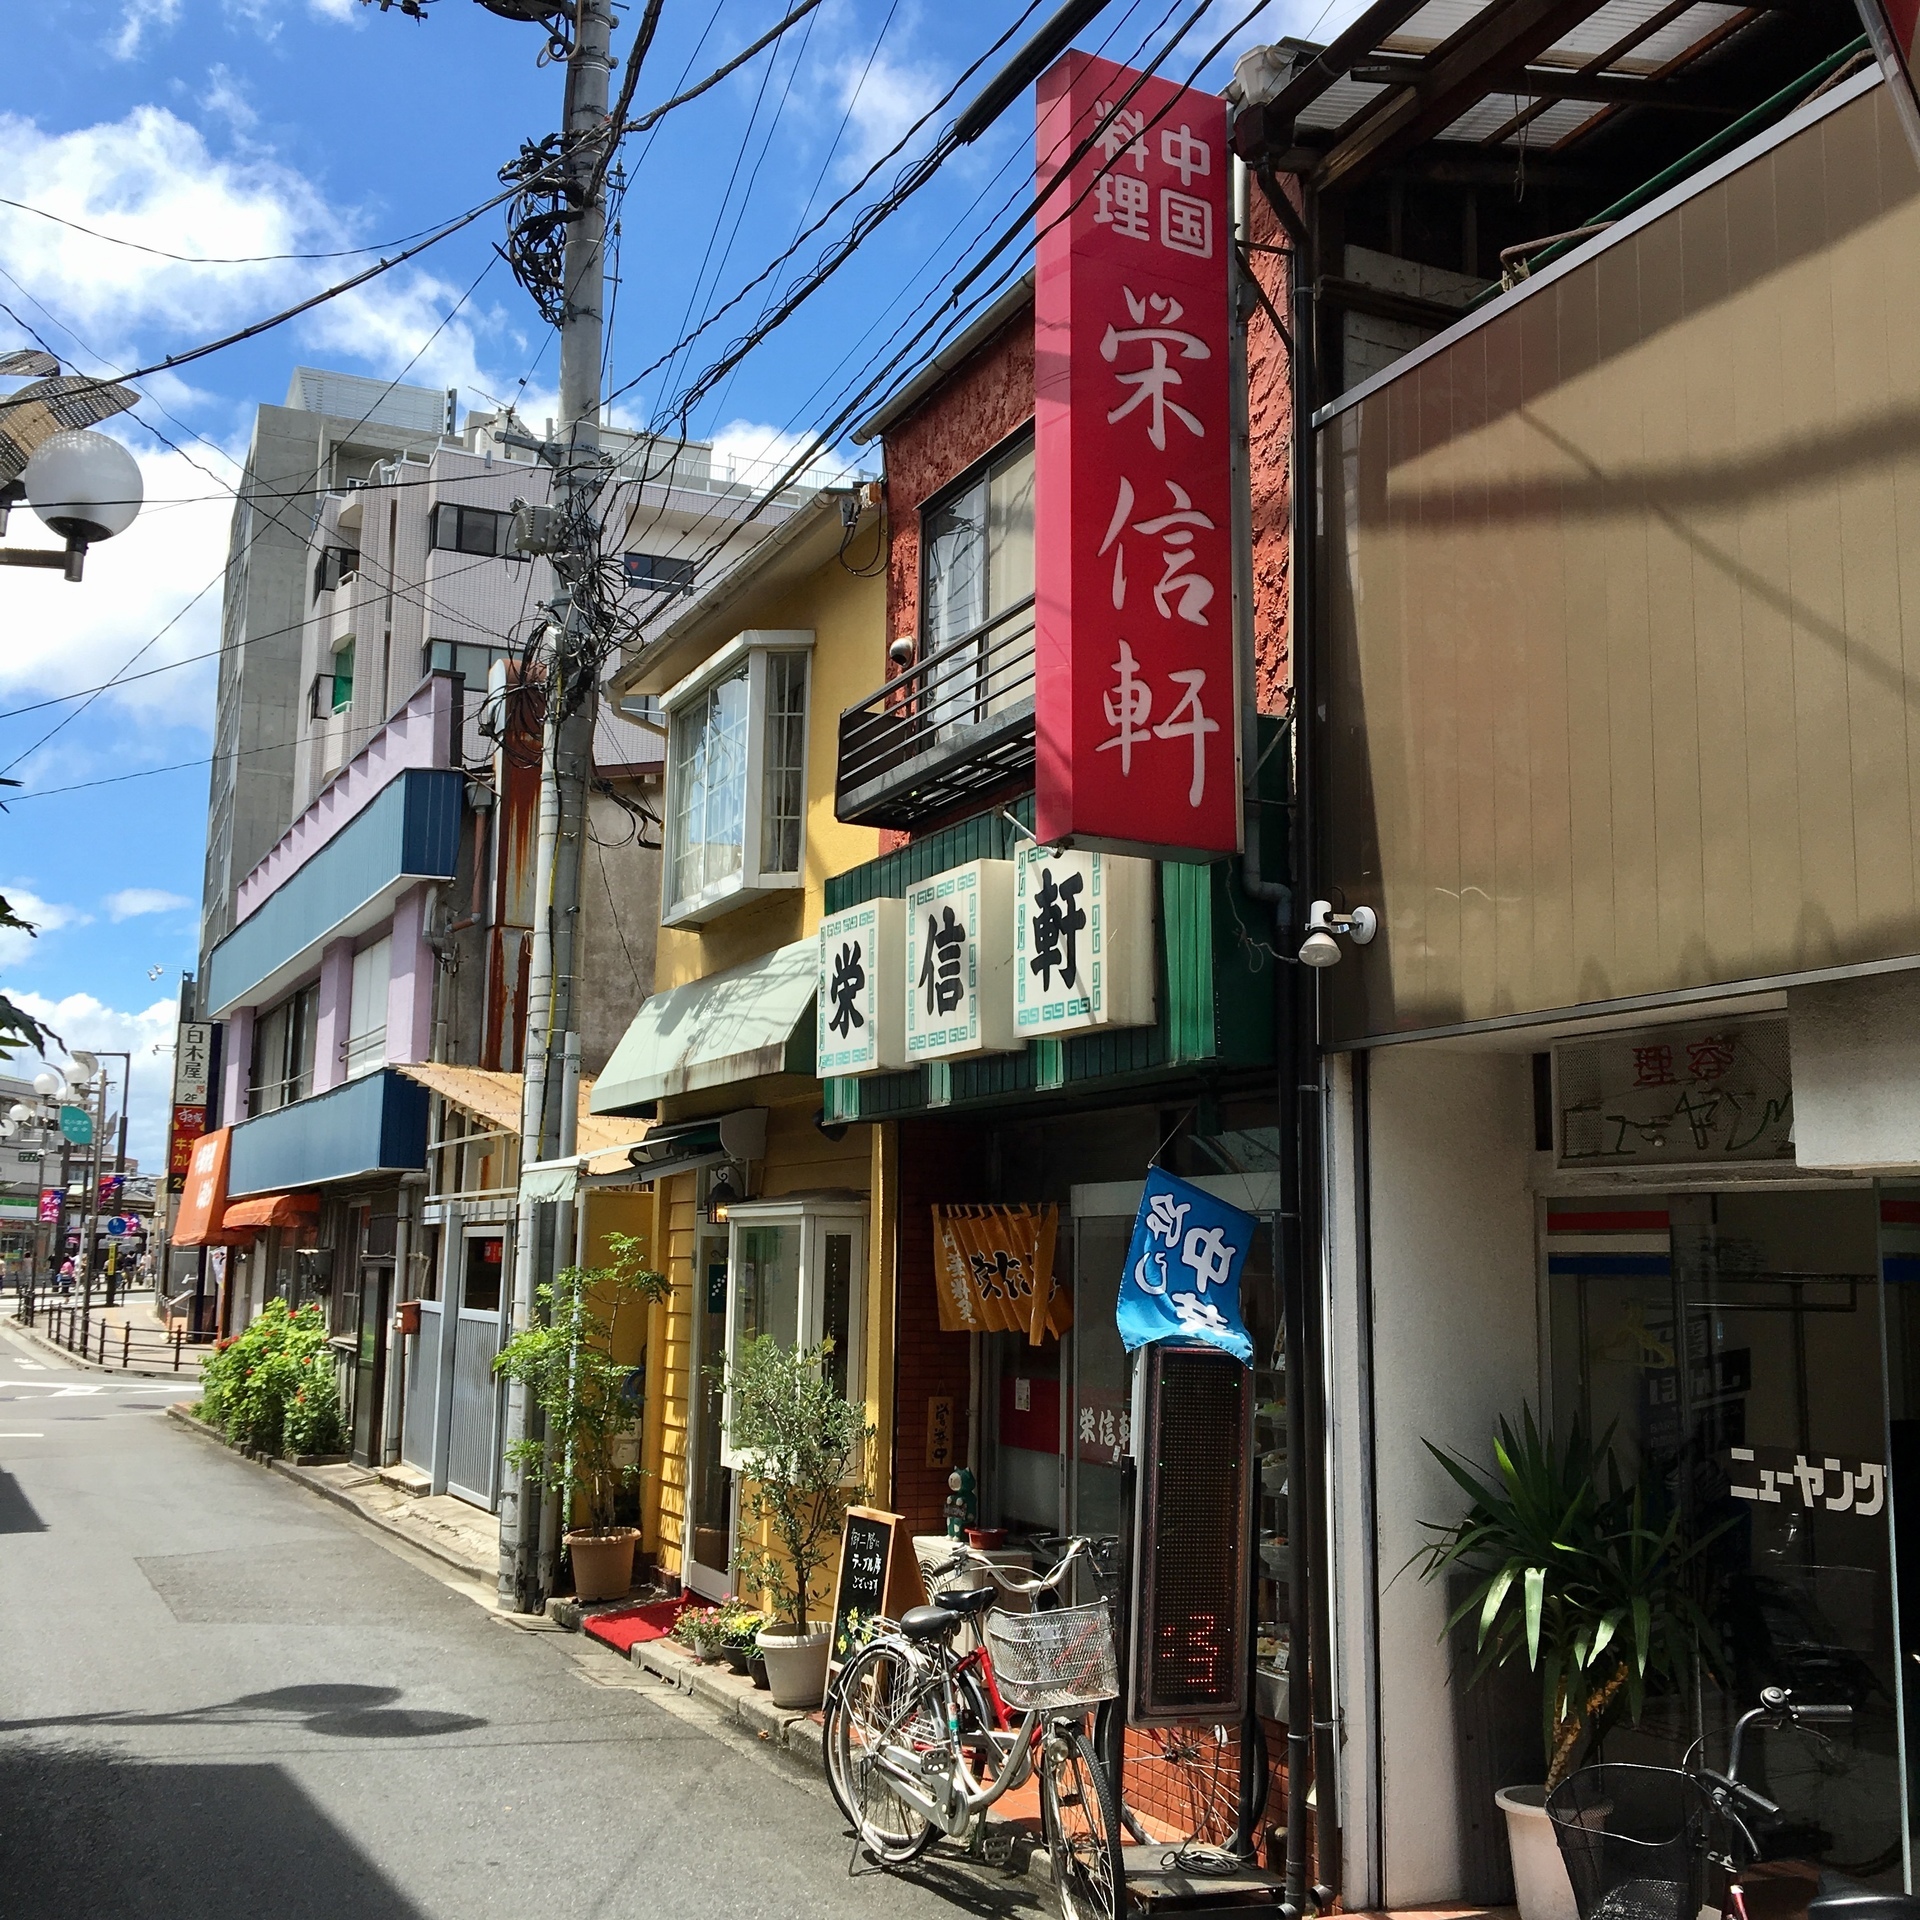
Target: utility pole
572, 663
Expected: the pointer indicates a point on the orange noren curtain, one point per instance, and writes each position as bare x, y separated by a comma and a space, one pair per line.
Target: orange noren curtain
994, 1269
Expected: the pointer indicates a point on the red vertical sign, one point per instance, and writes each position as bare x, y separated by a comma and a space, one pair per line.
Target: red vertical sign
1893, 28
1135, 689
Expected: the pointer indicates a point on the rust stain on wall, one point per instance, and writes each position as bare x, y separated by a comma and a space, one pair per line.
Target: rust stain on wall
1270, 418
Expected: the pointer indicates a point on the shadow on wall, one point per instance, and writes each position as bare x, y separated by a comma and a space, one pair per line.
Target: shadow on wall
89, 1832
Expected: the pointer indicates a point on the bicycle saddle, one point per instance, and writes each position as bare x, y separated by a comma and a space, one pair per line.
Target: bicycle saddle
966, 1600
928, 1623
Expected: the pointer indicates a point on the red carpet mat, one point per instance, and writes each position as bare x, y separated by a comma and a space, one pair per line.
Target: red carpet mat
625, 1627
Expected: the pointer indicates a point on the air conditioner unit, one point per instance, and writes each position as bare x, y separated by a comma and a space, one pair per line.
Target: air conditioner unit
1193, 1530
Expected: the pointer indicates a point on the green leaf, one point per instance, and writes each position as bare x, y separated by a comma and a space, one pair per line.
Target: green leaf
1536, 1589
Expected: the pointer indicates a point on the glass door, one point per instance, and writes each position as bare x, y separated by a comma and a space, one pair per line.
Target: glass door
1731, 1346
708, 1547
370, 1361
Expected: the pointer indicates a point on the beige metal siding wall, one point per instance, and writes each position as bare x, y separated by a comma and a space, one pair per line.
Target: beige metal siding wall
1624, 602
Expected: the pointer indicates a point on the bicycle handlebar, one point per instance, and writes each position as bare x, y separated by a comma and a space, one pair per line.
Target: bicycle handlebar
970, 1559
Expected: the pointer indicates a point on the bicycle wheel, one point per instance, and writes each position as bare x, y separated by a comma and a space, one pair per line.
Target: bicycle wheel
1081, 1823
883, 1702
976, 1729
1185, 1781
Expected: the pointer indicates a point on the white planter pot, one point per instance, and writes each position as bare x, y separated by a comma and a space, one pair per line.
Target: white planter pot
1540, 1883
796, 1667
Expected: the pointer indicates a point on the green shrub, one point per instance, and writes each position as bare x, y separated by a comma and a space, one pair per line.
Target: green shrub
272, 1387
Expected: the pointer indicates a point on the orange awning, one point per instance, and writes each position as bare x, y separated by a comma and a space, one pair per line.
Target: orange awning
273, 1210
200, 1221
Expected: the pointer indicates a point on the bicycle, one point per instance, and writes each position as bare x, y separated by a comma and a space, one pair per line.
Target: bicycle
1651, 1843
909, 1719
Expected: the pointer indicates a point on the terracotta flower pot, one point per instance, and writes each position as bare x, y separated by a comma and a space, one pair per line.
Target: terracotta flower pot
796, 1666
603, 1563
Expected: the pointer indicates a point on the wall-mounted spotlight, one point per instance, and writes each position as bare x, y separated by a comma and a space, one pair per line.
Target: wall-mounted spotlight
1321, 948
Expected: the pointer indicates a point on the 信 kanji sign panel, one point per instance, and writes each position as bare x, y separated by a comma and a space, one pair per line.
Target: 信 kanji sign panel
1135, 688
959, 971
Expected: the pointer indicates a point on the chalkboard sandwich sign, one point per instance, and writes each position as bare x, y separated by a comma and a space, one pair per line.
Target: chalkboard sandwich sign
878, 1578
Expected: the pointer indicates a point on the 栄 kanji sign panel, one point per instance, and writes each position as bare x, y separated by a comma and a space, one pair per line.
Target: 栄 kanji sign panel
1135, 690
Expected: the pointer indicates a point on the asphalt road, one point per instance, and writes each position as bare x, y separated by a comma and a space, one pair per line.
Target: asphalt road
222, 1697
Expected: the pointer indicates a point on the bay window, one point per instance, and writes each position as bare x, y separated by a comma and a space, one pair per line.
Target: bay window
976, 586
736, 777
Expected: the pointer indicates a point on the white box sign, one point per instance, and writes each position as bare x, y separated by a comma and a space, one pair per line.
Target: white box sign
192, 1058
959, 973
861, 1018
1083, 942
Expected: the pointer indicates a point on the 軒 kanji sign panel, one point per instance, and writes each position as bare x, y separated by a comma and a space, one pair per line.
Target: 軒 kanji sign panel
1136, 695
1082, 941
861, 1020
959, 971
1182, 1276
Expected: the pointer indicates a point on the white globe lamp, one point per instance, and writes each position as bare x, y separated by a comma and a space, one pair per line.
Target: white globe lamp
86, 487
49, 1084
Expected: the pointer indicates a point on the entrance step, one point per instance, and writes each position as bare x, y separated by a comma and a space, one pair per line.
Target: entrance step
409, 1480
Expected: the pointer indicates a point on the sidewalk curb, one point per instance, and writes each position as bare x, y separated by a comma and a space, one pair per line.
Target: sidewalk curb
184, 1375
338, 1497
786, 1728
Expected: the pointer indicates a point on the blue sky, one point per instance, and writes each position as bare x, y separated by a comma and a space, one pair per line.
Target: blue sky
256, 127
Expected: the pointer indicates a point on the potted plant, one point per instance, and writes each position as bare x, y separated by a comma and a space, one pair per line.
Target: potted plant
1567, 1570
740, 1627
804, 1450
702, 1631
565, 1361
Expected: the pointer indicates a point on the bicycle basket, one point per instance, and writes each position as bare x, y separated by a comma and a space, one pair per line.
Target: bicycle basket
1055, 1660
1635, 1841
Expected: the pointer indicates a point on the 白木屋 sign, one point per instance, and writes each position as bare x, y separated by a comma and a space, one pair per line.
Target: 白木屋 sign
1136, 693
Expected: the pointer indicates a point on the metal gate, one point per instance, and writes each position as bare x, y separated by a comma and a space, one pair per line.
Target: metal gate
473, 1440
421, 1419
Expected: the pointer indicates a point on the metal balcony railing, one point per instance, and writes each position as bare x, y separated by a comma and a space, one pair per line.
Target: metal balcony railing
954, 724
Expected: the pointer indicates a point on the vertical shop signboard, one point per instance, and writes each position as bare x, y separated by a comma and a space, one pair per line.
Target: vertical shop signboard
1082, 941
1136, 693
192, 1074
959, 971
861, 1020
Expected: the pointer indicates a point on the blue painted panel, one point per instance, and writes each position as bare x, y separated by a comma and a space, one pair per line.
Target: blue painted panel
377, 1121
411, 829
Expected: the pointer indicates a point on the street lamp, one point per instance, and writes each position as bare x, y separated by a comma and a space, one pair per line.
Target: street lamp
86, 488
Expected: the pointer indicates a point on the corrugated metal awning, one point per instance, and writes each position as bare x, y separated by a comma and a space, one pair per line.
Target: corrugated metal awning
714, 1032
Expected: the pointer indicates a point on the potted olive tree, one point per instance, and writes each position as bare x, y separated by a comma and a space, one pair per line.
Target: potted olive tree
565, 1360
804, 1453
1567, 1570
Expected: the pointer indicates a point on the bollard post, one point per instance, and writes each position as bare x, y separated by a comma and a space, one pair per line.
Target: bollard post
176, 1348
103, 1343
126, 1338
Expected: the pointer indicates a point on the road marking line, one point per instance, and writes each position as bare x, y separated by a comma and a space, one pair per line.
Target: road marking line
39, 1366
22, 1436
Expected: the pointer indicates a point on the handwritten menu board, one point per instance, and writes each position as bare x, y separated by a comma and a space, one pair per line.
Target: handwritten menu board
878, 1575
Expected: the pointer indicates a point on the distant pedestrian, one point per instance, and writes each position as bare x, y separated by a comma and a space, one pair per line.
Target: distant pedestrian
65, 1282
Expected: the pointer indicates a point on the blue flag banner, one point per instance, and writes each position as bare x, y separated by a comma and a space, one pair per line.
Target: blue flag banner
1182, 1280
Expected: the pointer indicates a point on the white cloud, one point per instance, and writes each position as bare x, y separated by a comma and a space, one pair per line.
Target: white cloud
130, 902
47, 916
146, 1035
226, 96
342, 10
134, 22
748, 450
882, 106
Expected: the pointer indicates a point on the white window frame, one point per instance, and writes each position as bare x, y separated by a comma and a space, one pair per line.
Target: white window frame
752, 881
816, 1217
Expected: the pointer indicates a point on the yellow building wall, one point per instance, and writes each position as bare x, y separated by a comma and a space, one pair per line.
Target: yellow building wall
630, 1210
847, 616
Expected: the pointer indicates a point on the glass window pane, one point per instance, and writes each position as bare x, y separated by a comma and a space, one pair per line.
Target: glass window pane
836, 1307
480, 1284
783, 801
710, 775
767, 1279
477, 530
955, 584
342, 676
367, 1009
1010, 533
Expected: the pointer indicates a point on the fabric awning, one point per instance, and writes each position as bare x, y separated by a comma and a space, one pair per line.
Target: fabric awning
200, 1221
728, 1027
273, 1210
495, 1097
